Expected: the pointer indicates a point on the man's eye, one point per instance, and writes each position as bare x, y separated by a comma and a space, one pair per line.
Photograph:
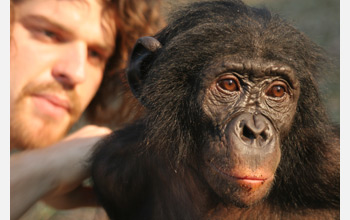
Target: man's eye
93, 53
49, 33
46, 35
96, 57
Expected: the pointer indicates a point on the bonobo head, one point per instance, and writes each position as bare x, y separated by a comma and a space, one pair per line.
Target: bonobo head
227, 84
252, 104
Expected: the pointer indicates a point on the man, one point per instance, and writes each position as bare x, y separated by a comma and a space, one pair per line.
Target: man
59, 50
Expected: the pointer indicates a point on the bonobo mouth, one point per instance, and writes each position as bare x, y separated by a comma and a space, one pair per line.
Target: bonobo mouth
245, 178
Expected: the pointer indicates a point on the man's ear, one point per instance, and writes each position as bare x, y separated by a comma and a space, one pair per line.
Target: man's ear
142, 53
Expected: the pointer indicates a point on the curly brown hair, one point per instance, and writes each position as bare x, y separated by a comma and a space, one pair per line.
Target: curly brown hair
113, 103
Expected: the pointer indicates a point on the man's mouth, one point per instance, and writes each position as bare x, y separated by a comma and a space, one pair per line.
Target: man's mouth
51, 105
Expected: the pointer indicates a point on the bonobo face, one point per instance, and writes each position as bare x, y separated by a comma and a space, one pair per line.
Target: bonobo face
252, 105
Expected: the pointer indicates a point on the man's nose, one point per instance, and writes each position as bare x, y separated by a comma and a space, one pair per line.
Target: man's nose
69, 68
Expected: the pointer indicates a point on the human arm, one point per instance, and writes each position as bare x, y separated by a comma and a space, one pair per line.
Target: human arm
54, 173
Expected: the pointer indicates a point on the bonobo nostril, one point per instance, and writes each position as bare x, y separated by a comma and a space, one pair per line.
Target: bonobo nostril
248, 133
263, 135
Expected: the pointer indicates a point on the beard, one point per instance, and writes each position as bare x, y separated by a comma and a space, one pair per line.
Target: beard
29, 130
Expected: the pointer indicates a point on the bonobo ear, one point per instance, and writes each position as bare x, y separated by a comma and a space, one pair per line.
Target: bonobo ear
141, 54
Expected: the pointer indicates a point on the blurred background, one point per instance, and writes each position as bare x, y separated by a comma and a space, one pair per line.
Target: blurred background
319, 20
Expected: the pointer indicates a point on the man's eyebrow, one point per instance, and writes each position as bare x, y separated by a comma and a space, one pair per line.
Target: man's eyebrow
106, 47
45, 21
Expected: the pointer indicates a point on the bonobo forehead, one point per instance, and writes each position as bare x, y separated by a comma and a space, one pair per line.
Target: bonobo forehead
233, 28
202, 44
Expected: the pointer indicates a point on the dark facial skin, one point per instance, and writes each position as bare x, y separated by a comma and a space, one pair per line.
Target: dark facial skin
252, 105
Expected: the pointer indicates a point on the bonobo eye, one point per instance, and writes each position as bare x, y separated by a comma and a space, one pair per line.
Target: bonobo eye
277, 89
228, 83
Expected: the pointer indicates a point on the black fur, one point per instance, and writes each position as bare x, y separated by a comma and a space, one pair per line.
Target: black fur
148, 170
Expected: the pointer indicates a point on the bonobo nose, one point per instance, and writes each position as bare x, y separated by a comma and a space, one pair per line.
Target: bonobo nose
254, 129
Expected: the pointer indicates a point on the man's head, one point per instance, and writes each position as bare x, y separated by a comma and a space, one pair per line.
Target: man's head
59, 49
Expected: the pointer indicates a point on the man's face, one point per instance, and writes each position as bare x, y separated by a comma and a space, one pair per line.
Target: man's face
58, 53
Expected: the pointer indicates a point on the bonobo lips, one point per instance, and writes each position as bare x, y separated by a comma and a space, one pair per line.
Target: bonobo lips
245, 178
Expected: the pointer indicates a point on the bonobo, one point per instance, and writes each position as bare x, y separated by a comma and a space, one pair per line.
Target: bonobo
234, 127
